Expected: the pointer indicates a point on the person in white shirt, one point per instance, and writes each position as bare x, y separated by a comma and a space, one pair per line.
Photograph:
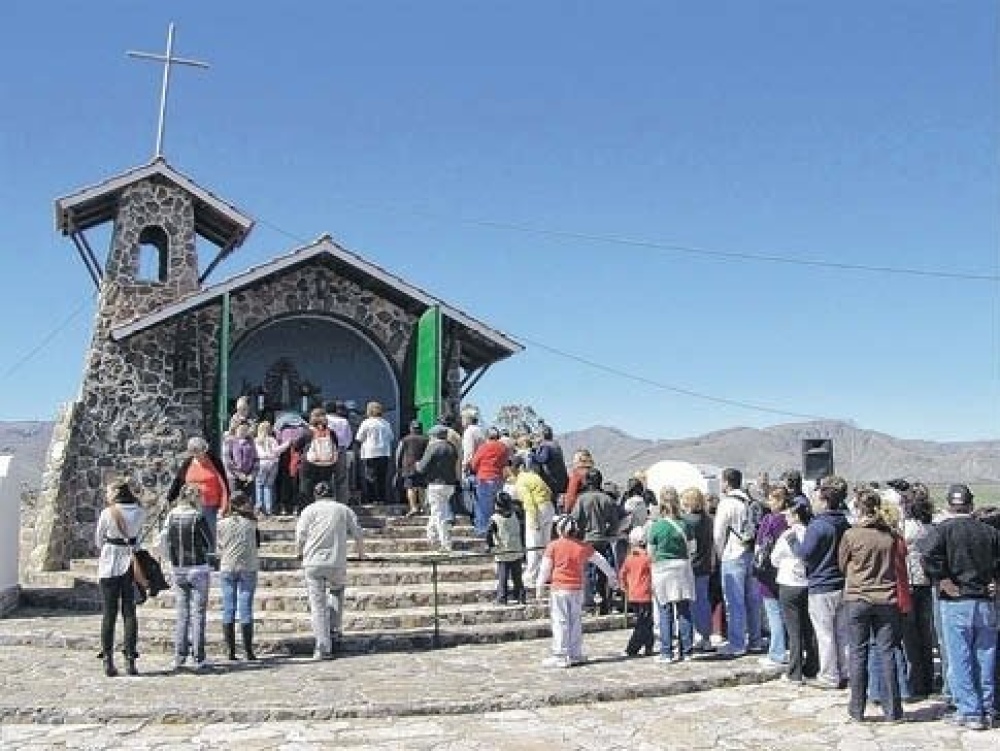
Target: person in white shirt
793, 596
321, 539
375, 438
117, 534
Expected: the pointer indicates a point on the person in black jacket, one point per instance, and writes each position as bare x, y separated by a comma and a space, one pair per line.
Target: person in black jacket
187, 542
962, 558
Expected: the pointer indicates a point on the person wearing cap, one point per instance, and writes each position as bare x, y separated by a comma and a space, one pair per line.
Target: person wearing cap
564, 563
409, 451
439, 467
321, 540
488, 463
962, 559
539, 512
636, 578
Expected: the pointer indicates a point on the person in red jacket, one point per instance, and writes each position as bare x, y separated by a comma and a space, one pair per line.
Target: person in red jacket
488, 463
564, 562
637, 580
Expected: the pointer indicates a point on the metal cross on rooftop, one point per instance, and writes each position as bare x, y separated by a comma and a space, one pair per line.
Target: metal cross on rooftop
168, 59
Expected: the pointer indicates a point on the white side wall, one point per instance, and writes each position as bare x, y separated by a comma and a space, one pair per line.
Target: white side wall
10, 527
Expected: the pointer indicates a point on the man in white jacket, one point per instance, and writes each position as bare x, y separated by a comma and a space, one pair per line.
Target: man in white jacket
734, 547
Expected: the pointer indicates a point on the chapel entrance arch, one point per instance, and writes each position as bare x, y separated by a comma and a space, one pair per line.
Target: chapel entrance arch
323, 356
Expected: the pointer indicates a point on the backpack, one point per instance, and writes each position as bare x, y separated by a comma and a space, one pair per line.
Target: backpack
322, 448
763, 569
756, 512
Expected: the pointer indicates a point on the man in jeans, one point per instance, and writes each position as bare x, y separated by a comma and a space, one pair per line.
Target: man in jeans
321, 539
818, 550
963, 559
734, 546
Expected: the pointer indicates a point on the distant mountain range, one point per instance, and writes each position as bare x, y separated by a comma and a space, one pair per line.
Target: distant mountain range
858, 454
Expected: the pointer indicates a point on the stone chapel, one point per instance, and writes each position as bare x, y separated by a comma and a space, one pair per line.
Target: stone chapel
170, 354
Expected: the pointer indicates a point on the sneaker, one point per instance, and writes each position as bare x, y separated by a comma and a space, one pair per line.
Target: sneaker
668, 659
767, 662
704, 646
963, 721
821, 683
555, 662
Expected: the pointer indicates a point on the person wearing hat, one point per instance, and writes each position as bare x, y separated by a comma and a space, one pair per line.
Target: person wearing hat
321, 540
962, 559
439, 467
409, 451
636, 577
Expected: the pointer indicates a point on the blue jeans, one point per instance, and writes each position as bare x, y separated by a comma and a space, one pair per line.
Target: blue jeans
876, 672
776, 625
266, 476
739, 590
486, 494
970, 632
701, 609
683, 608
237, 595
873, 628
191, 597
211, 514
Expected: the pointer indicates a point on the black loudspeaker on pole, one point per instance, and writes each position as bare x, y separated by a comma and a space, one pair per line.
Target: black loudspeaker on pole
817, 458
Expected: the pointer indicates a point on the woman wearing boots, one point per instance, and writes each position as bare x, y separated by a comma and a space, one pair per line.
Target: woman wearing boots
238, 541
117, 533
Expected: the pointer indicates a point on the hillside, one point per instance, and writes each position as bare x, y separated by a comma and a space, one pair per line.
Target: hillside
858, 454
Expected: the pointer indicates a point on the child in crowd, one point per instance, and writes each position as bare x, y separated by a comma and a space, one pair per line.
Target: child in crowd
565, 561
505, 537
637, 581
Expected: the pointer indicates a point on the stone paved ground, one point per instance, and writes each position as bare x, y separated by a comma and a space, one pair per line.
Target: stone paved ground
475, 697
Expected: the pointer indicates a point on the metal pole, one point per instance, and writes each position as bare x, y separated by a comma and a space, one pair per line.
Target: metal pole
434, 582
164, 90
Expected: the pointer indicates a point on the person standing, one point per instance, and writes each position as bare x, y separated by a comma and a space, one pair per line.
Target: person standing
670, 543
551, 464
375, 438
505, 539
771, 528
487, 464
636, 577
117, 535
269, 452
439, 467
205, 471
240, 459
818, 550
539, 512
336, 420
918, 624
698, 520
597, 518
793, 594
867, 555
318, 452
962, 559
239, 539
734, 540
321, 539
410, 451
187, 542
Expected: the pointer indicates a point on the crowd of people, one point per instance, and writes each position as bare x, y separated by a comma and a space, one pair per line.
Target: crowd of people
836, 588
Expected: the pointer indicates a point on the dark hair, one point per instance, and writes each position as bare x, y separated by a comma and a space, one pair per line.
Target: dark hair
869, 502
733, 478
593, 480
330, 406
793, 480
633, 487
546, 433
801, 512
920, 508
833, 492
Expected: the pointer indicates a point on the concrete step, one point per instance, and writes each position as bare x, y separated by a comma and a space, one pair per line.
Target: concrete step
286, 532
70, 630
377, 546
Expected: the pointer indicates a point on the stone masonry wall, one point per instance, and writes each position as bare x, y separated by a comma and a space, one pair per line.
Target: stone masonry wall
130, 419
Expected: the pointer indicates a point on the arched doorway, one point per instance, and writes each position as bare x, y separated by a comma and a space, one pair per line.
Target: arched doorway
327, 357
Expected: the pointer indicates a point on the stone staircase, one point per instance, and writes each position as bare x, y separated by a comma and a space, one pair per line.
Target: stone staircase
401, 596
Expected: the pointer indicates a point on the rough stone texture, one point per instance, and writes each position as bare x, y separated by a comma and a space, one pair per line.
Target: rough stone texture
9, 599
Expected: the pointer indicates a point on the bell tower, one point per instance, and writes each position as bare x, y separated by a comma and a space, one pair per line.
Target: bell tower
140, 398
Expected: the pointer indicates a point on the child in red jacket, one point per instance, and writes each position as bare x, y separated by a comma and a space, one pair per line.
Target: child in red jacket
565, 562
637, 580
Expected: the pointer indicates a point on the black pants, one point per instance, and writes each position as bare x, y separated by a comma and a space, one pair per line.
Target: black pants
803, 654
873, 627
512, 569
918, 642
118, 592
642, 634
310, 475
601, 587
375, 479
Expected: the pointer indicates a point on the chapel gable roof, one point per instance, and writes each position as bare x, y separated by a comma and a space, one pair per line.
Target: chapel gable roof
215, 220
482, 345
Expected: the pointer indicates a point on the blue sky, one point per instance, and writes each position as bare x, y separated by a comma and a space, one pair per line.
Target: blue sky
420, 134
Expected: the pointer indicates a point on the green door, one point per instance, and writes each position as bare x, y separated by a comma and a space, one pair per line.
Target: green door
427, 384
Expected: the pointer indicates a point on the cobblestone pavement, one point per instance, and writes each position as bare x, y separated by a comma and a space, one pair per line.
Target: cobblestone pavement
476, 697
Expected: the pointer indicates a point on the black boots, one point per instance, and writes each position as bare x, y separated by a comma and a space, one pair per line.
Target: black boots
229, 632
130, 668
248, 640
109, 666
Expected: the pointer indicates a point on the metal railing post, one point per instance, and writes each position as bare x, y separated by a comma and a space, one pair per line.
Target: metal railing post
434, 583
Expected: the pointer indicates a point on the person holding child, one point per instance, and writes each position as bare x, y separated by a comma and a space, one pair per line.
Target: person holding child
565, 562
505, 537
637, 580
